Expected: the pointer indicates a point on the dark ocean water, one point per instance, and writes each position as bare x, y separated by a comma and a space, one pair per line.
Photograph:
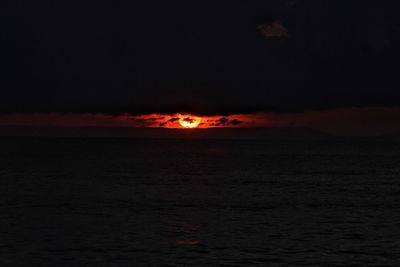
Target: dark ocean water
110, 202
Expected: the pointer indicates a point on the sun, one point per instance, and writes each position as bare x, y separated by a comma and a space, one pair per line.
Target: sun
189, 122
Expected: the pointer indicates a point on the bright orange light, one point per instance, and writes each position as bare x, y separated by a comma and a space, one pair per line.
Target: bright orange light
189, 121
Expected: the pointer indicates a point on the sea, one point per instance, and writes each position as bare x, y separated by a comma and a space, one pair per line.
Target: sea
156, 202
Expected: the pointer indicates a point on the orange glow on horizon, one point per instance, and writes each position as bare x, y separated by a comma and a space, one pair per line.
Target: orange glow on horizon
378, 120
189, 121
155, 120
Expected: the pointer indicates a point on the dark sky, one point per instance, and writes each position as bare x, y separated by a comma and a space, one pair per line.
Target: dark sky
203, 57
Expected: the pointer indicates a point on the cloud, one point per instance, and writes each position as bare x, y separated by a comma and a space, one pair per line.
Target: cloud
225, 121
222, 121
145, 121
275, 29
138, 120
235, 122
188, 119
173, 119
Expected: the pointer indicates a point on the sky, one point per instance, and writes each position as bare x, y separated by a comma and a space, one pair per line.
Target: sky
243, 63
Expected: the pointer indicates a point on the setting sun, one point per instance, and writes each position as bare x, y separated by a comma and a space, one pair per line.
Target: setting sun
189, 122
